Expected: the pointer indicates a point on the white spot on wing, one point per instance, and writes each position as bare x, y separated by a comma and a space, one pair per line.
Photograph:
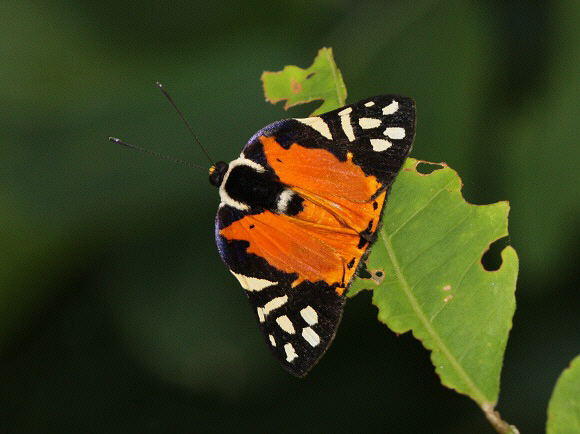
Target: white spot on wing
367, 123
391, 108
261, 315
395, 133
369, 104
285, 324
345, 123
252, 283
380, 145
318, 124
283, 201
243, 161
309, 315
275, 303
272, 340
310, 336
290, 352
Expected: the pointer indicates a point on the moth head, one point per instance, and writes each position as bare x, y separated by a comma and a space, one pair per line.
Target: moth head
217, 173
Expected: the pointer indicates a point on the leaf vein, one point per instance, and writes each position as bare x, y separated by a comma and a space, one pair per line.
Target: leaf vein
421, 208
467, 269
451, 229
422, 317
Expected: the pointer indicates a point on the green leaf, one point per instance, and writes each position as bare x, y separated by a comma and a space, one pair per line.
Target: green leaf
321, 81
434, 284
564, 406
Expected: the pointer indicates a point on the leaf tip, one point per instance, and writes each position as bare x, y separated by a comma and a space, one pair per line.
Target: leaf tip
320, 81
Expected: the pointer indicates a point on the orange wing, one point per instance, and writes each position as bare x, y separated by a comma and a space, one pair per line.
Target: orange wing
341, 187
327, 239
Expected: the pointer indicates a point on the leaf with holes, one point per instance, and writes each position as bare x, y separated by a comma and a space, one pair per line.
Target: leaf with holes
564, 407
321, 81
434, 285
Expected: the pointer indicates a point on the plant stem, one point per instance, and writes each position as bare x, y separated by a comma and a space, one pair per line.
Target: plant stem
500, 425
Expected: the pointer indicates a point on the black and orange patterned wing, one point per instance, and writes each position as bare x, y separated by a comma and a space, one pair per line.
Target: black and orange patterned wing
296, 267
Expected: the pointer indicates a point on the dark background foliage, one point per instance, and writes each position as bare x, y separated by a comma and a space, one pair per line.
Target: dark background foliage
116, 314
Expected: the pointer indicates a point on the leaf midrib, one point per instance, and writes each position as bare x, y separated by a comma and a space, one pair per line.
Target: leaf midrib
475, 393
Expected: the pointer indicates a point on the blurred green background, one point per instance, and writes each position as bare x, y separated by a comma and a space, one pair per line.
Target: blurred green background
116, 313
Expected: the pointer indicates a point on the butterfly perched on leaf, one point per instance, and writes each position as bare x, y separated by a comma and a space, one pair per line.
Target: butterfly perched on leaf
300, 209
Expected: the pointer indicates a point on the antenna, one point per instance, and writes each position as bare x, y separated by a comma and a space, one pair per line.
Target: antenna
164, 91
155, 154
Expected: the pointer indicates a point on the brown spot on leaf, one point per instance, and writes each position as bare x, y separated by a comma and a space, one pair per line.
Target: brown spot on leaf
296, 86
377, 276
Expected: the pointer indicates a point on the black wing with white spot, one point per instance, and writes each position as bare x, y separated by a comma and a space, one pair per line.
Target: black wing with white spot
299, 322
378, 131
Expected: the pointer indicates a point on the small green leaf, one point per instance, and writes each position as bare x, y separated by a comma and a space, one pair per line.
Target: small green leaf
321, 81
564, 406
430, 250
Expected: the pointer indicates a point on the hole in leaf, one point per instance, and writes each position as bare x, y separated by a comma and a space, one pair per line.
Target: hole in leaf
375, 276
491, 259
362, 271
426, 167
